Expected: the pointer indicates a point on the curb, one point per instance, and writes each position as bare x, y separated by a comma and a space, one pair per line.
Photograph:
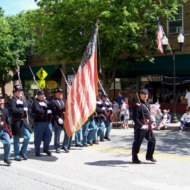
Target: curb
171, 126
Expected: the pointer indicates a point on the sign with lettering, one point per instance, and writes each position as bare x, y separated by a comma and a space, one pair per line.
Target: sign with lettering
156, 78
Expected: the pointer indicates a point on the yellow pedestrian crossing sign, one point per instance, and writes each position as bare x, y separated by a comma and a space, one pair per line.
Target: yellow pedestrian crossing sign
42, 83
42, 74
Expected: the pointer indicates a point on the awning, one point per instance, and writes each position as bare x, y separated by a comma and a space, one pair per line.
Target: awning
163, 65
178, 80
52, 71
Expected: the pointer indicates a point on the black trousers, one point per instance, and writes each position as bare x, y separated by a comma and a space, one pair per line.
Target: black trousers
139, 135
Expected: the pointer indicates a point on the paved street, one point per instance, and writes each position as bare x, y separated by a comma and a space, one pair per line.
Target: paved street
104, 166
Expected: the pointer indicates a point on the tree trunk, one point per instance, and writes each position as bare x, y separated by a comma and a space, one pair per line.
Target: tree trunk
107, 79
3, 88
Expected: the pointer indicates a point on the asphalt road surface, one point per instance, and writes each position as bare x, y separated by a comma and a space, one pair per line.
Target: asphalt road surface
106, 166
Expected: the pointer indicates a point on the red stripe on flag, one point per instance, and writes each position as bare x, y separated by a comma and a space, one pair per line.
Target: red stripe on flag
159, 38
81, 100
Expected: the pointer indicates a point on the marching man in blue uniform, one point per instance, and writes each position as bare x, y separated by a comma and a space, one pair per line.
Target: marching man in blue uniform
143, 128
19, 111
5, 130
58, 106
108, 116
42, 111
99, 119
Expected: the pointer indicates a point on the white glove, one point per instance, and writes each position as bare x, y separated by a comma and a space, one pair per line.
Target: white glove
43, 104
103, 108
19, 102
60, 121
25, 109
144, 127
49, 111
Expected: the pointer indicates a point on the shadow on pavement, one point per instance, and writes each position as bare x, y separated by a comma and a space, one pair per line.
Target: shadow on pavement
170, 142
107, 163
113, 163
43, 157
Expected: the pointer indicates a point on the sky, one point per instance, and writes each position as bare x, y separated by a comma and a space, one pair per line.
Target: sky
12, 7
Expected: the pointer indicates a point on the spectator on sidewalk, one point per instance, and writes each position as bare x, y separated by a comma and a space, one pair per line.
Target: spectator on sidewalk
119, 99
123, 112
187, 97
158, 117
185, 120
166, 118
115, 112
127, 113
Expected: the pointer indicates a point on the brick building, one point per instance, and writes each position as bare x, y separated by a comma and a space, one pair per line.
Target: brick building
157, 77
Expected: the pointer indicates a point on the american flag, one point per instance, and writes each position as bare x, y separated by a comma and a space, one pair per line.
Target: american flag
159, 38
81, 100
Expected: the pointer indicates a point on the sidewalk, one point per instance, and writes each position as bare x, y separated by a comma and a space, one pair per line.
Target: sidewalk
171, 126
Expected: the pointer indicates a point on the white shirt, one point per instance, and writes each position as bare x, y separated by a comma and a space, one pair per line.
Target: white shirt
186, 118
123, 109
187, 96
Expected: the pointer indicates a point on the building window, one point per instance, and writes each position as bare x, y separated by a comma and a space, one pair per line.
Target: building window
176, 26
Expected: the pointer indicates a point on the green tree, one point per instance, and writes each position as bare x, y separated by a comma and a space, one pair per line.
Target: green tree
15, 38
65, 27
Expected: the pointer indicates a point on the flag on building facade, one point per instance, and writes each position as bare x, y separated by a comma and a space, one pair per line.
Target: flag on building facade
159, 38
81, 100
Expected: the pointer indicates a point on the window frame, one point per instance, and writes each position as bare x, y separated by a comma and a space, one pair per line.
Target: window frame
180, 28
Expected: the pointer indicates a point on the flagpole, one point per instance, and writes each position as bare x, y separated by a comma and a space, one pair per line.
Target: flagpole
100, 63
165, 43
99, 55
65, 79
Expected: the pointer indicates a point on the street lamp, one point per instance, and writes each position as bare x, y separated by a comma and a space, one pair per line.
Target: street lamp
165, 43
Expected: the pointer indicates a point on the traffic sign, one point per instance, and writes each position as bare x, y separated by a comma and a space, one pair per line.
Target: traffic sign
42, 83
42, 74
51, 84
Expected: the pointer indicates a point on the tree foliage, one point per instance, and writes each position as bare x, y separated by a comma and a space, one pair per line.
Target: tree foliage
15, 38
65, 27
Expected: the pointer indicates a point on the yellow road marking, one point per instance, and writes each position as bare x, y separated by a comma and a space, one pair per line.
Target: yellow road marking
157, 154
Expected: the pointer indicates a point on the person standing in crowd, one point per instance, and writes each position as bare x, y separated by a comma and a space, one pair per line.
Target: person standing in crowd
127, 113
187, 97
122, 114
115, 112
19, 111
119, 99
142, 128
42, 111
5, 130
185, 120
58, 105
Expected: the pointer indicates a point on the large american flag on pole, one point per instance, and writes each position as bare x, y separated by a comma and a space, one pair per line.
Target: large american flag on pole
81, 100
159, 38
